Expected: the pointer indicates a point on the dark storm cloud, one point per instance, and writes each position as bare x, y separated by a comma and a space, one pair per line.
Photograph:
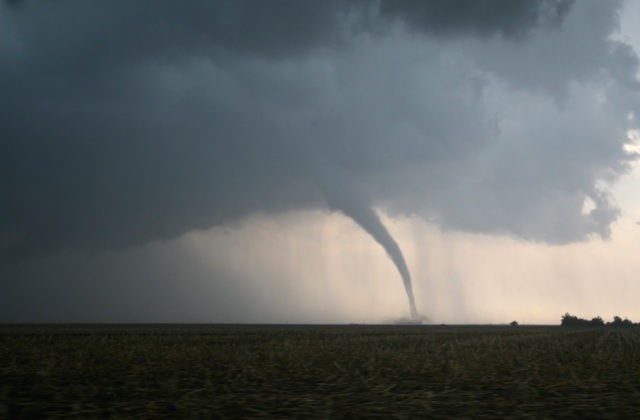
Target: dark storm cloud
507, 17
112, 31
79, 36
124, 122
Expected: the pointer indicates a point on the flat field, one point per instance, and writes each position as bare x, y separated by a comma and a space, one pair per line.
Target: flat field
236, 371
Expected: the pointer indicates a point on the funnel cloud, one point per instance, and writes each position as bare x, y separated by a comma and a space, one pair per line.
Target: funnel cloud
356, 207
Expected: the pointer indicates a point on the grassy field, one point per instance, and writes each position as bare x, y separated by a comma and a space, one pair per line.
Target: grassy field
190, 371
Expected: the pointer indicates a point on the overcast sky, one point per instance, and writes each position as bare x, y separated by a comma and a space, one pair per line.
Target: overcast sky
278, 161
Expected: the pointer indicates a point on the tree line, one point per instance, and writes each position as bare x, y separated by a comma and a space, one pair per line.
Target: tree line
569, 320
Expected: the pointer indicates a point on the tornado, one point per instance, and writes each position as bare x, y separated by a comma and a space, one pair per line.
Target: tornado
363, 214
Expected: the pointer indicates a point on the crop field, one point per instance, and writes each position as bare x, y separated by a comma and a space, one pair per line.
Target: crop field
226, 371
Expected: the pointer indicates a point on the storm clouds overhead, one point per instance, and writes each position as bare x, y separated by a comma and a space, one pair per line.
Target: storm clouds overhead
124, 123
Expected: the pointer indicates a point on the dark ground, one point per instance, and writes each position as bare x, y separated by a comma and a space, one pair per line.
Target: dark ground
187, 371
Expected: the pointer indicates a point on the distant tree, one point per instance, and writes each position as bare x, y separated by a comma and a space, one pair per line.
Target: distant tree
619, 322
514, 323
569, 320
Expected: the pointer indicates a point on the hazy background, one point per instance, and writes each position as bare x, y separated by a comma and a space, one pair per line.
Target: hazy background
193, 164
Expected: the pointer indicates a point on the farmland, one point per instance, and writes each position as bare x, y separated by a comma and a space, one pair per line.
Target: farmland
175, 371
